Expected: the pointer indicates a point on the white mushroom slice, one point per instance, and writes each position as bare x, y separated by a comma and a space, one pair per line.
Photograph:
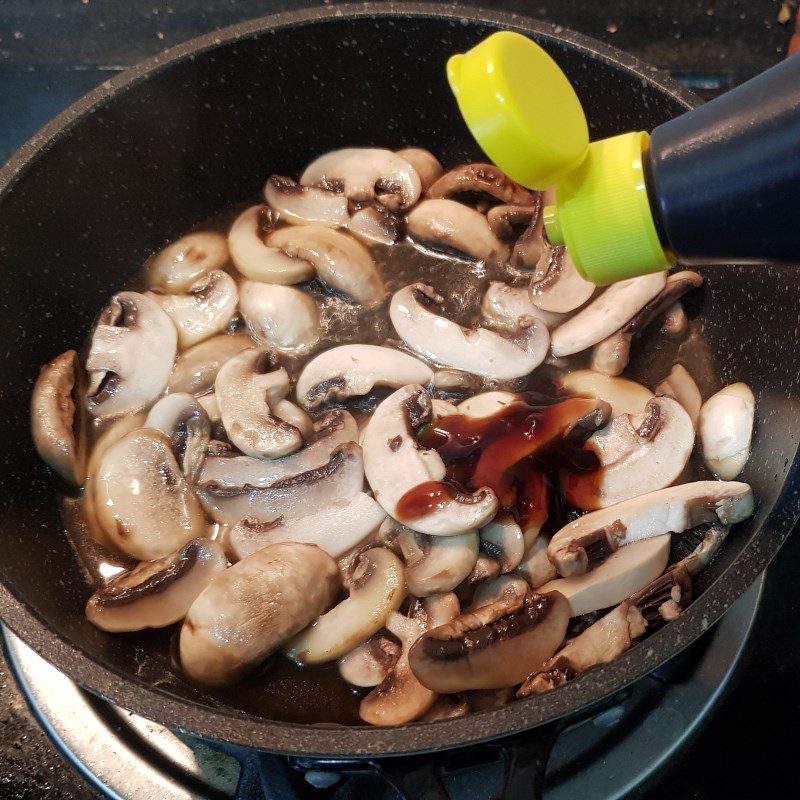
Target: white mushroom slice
376, 589
336, 527
486, 404
453, 229
726, 429
372, 224
624, 396
675, 321
424, 162
209, 404
204, 311
638, 454
396, 464
436, 563
181, 418
680, 386
249, 610
447, 706
536, 567
456, 381
484, 179
478, 350
332, 429
506, 221
366, 175
155, 594
355, 369
247, 387
502, 540
259, 261
556, 285
501, 587
338, 260
196, 369
340, 479
367, 664
624, 572
301, 205
485, 569
606, 314
442, 408
143, 503
181, 264
131, 355
612, 354
400, 697
590, 539
295, 416
503, 305
59, 432
279, 316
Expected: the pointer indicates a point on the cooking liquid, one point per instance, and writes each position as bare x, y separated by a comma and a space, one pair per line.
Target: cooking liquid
317, 694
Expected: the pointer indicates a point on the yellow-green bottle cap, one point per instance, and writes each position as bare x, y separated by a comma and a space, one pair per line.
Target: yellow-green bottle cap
525, 115
520, 108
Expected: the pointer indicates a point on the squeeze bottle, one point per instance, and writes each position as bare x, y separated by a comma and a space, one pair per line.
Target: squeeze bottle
717, 184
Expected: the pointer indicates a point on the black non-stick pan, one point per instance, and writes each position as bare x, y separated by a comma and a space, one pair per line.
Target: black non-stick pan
189, 133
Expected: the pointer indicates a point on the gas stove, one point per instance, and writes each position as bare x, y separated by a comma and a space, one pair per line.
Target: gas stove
608, 756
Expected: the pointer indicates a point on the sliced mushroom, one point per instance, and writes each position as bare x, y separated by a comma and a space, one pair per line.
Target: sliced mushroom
249, 610
590, 539
340, 479
612, 354
155, 594
143, 503
209, 404
376, 589
453, 229
624, 572
478, 350
503, 305
600, 643
484, 179
57, 424
492, 647
536, 567
506, 221
456, 381
355, 369
400, 697
680, 386
447, 706
605, 315
181, 418
442, 408
332, 429
257, 260
675, 321
368, 663
204, 311
337, 259
502, 540
181, 264
726, 429
131, 355
624, 396
293, 415
486, 569
501, 587
196, 369
301, 205
556, 285
279, 316
437, 564
247, 388
424, 162
486, 404
372, 224
396, 465
337, 527
637, 454
366, 175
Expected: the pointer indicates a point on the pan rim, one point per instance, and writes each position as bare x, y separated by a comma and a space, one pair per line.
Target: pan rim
236, 727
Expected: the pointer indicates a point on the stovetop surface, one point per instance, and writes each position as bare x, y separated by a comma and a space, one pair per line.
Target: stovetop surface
52, 51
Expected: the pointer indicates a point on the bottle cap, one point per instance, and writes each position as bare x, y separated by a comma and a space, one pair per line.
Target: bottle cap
525, 115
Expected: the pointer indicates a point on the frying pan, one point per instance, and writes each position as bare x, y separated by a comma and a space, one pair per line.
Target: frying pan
189, 133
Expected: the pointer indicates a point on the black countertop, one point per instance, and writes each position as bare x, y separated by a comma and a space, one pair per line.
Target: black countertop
52, 51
